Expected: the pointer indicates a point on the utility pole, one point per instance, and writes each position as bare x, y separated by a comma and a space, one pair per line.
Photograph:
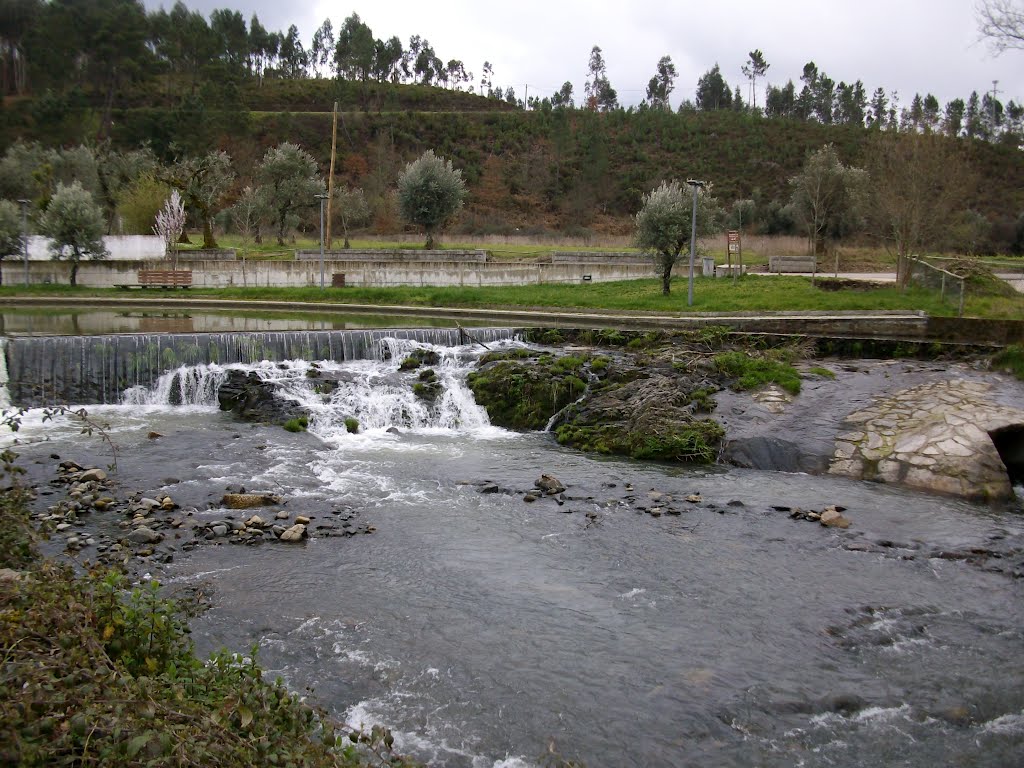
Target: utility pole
24, 234
693, 236
321, 198
995, 83
330, 177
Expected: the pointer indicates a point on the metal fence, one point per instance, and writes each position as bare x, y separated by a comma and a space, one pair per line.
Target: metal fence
951, 287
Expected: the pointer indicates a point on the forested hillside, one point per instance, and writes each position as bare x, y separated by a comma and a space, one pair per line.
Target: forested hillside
184, 87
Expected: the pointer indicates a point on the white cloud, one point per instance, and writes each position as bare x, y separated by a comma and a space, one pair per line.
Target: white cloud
907, 46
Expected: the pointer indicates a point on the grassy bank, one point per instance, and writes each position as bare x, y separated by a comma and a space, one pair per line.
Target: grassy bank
753, 293
97, 673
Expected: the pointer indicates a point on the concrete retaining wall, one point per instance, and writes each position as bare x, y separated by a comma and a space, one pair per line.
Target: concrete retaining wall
121, 247
220, 274
396, 254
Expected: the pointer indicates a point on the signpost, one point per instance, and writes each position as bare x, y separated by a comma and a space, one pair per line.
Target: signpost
733, 238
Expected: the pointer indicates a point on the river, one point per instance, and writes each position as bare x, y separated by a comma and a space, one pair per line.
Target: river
487, 631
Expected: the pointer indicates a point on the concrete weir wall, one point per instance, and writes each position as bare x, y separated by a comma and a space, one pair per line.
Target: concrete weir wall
380, 273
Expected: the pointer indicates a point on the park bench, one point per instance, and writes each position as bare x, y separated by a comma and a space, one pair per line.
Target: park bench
163, 278
778, 264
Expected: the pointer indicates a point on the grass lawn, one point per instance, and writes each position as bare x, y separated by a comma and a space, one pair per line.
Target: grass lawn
752, 293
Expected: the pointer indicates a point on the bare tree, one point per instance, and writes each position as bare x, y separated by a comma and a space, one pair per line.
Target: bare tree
1001, 22
920, 183
170, 223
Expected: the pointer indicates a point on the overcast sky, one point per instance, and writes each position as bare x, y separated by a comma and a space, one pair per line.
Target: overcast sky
908, 46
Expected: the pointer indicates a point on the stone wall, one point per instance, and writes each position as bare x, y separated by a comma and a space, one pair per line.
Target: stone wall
375, 274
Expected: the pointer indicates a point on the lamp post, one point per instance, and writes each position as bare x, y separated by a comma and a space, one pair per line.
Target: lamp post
321, 198
693, 235
24, 235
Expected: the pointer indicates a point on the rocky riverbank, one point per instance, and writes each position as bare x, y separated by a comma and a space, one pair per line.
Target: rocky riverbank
767, 403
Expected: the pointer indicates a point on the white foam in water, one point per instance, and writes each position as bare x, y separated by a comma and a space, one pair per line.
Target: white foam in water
868, 716
370, 712
187, 385
1005, 725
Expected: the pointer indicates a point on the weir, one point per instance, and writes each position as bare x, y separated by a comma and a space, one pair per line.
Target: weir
84, 370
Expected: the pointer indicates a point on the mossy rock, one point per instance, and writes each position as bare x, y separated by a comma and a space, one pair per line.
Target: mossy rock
428, 387
523, 395
419, 357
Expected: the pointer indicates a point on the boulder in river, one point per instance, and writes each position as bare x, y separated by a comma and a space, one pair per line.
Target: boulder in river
252, 399
249, 500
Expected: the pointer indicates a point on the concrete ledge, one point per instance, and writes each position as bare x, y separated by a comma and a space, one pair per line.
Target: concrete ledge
397, 254
792, 264
599, 257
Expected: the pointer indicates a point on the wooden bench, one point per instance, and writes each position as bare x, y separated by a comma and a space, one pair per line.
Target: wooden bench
163, 278
779, 264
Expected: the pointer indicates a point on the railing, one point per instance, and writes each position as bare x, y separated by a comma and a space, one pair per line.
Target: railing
946, 283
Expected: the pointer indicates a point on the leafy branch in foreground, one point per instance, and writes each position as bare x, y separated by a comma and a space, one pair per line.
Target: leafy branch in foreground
96, 674
12, 420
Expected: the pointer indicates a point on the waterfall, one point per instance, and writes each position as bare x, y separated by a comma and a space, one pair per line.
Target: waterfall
374, 391
101, 369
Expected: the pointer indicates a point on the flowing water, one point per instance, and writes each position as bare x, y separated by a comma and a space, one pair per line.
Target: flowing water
485, 630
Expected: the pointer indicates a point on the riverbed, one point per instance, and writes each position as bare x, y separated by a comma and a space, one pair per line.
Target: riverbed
652, 615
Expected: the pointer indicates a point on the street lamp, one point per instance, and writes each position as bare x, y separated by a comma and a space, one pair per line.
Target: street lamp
321, 198
24, 234
697, 185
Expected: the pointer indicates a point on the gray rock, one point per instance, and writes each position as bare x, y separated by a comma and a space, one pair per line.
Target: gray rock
296, 533
549, 484
144, 535
832, 519
92, 475
219, 529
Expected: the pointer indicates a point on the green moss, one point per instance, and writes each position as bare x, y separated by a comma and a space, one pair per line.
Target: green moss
352, 425
428, 387
693, 442
299, 424
750, 372
696, 442
825, 372
1010, 360
419, 357
525, 395
703, 400
600, 364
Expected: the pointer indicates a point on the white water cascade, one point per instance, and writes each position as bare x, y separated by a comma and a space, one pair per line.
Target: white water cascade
374, 392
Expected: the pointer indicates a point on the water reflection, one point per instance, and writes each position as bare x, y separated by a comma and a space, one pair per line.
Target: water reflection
47, 321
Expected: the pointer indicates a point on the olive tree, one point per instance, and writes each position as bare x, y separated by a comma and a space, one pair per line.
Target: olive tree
75, 224
665, 221
204, 182
430, 193
828, 198
289, 182
10, 231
